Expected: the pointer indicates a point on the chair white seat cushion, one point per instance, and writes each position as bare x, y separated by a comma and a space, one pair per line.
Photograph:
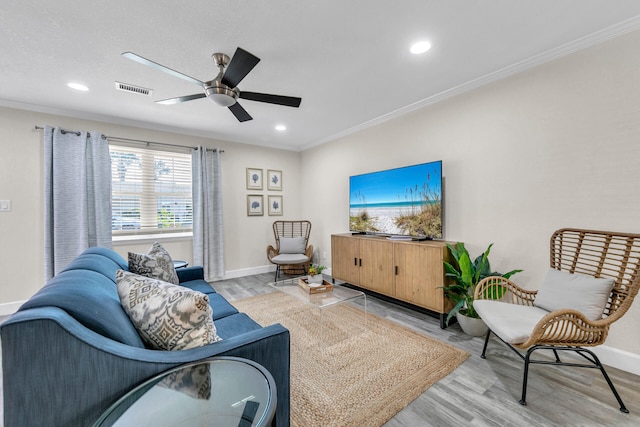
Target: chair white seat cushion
284, 259
511, 322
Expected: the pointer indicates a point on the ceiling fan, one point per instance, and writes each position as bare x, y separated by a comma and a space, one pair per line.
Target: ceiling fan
223, 89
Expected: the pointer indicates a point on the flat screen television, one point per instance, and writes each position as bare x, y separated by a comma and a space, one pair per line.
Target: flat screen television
405, 201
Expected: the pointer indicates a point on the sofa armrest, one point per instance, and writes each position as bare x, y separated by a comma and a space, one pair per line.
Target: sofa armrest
190, 273
57, 372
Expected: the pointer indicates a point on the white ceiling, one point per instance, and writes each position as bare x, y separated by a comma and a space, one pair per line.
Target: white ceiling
348, 60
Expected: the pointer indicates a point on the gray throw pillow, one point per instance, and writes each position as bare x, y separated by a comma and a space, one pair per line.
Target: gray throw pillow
586, 294
167, 316
292, 245
156, 263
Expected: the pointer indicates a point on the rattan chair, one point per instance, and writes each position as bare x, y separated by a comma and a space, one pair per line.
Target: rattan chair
292, 253
594, 253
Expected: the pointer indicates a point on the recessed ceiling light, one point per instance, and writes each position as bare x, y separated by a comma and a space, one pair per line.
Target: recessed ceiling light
281, 128
78, 86
420, 47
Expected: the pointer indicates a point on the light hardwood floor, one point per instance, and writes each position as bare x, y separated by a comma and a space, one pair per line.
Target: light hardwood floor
486, 392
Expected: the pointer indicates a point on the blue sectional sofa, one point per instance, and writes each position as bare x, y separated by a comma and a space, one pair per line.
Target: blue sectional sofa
71, 351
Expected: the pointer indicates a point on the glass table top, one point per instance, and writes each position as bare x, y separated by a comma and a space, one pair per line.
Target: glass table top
338, 295
221, 391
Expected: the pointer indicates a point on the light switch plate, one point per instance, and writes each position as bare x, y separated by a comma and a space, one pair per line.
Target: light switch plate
5, 205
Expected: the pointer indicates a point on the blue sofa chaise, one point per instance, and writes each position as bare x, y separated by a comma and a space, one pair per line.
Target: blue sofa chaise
71, 351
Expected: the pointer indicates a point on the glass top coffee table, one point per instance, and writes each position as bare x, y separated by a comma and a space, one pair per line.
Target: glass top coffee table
220, 391
322, 300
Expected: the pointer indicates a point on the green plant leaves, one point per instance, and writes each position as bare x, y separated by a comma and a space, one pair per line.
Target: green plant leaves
467, 275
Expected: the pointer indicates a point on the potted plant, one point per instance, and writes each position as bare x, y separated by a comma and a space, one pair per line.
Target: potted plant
315, 273
467, 274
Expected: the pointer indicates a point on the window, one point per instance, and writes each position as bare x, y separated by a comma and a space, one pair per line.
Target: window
150, 191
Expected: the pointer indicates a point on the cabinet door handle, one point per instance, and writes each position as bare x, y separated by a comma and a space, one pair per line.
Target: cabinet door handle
360, 262
396, 270
355, 261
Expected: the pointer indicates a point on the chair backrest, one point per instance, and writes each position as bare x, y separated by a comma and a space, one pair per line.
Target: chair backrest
601, 254
300, 228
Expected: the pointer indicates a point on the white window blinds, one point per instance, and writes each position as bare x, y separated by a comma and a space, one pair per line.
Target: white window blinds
150, 191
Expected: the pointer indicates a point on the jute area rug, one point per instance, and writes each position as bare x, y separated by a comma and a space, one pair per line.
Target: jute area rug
366, 369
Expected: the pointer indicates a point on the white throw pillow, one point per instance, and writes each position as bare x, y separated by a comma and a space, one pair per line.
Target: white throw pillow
156, 263
292, 245
167, 316
586, 294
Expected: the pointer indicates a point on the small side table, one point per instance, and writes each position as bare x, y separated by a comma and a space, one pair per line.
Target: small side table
179, 264
221, 391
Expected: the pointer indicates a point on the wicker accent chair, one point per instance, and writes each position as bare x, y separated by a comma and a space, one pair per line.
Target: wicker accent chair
292, 253
604, 255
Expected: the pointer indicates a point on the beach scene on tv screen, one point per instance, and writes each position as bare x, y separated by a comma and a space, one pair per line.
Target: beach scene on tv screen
403, 201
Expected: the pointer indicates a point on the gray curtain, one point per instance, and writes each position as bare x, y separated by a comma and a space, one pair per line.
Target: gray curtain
208, 236
77, 199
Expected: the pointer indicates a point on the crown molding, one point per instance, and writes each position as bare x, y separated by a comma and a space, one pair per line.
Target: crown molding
593, 39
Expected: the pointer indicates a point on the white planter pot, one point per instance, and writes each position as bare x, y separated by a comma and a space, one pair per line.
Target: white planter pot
472, 326
315, 279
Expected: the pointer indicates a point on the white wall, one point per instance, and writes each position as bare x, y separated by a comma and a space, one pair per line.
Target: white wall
22, 229
557, 146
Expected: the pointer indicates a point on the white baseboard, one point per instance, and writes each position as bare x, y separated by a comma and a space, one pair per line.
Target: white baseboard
9, 308
242, 272
620, 359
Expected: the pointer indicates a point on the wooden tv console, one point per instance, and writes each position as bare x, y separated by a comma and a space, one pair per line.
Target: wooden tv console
408, 271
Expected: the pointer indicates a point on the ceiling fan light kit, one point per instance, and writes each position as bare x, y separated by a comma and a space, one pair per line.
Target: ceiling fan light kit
220, 94
223, 89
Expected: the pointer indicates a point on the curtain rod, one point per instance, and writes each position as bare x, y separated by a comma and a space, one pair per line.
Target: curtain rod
138, 141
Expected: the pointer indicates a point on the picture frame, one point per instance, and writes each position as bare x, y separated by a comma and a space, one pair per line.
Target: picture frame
254, 179
274, 180
275, 205
255, 205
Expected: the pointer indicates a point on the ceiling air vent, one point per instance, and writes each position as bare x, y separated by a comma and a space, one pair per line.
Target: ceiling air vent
126, 87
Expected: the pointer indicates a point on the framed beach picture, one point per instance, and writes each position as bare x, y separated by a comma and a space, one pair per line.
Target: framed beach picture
275, 205
254, 179
254, 205
274, 180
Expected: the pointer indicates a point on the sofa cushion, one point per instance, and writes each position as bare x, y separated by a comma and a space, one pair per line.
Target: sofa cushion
292, 245
199, 285
220, 306
586, 294
92, 300
95, 262
108, 253
236, 324
167, 316
511, 322
156, 263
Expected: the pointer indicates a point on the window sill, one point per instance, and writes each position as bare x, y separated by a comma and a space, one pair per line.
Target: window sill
150, 238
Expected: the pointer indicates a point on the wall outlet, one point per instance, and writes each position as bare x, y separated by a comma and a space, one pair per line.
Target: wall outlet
5, 205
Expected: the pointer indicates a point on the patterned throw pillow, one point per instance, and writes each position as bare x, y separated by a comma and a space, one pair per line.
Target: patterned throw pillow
167, 317
156, 263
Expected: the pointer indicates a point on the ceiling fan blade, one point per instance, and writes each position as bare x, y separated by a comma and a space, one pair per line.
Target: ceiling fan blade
180, 99
240, 65
150, 63
288, 101
240, 113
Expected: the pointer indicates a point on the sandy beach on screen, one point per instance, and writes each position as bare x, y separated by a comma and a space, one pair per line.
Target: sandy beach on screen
382, 218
